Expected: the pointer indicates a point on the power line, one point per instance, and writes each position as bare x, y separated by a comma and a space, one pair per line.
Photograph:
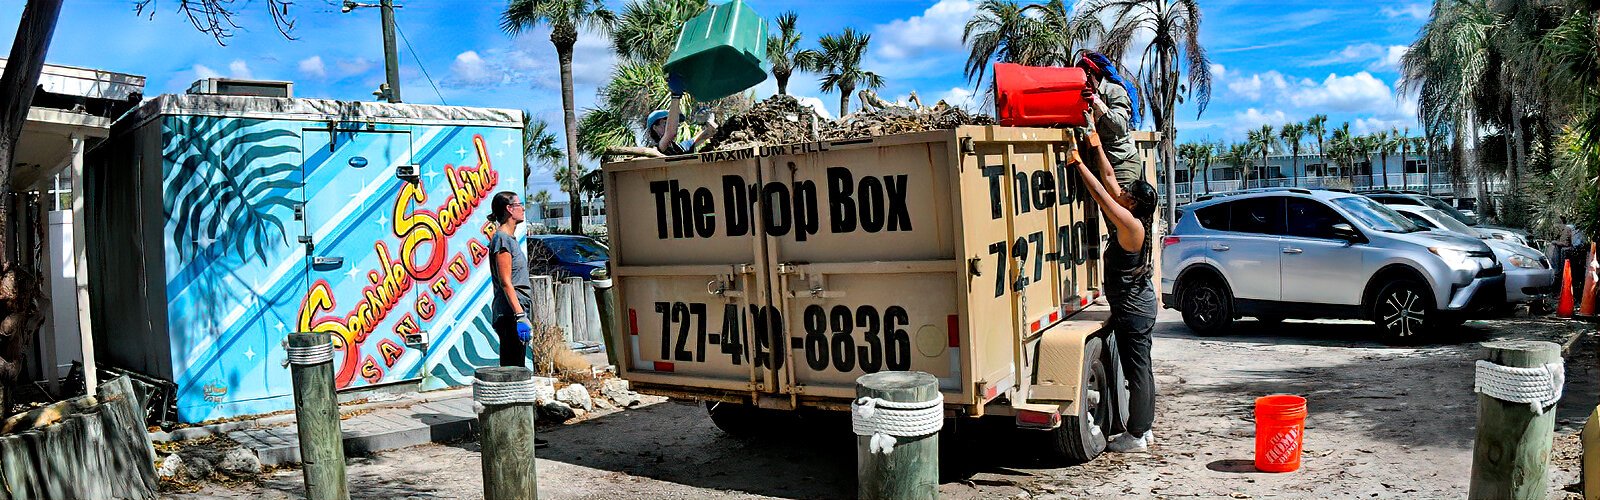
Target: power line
419, 63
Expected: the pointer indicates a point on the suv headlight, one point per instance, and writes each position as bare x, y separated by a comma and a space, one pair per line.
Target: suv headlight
1525, 261
1456, 259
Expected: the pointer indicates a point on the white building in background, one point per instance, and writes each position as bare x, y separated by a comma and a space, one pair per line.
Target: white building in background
556, 215
1394, 172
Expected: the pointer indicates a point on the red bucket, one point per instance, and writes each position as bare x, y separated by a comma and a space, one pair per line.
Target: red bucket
1280, 432
1031, 95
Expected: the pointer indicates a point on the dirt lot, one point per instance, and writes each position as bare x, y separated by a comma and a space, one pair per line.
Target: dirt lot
1385, 422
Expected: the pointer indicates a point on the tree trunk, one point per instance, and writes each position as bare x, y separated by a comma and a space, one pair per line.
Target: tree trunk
1383, 156
19, 291
844, 100
564, 54
1208, 178
1166, 91
783, 82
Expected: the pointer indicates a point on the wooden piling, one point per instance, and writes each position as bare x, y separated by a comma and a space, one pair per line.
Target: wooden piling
1513, 443
316, 410
605, 301
507, 440
911, 471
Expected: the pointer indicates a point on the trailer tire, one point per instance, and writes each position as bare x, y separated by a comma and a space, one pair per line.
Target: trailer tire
1082, 437
737, 420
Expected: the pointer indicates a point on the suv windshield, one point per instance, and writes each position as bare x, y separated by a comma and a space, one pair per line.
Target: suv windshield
1376, 216
575, 250
1446, 209
1450, 222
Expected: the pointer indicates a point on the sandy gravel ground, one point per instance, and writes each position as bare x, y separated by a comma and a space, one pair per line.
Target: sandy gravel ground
1386, 422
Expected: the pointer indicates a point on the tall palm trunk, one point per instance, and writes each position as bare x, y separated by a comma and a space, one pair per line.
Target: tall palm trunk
1383, 157
1208, 178
844, 100
1167, 94
19, 288
564, 38
1405, 147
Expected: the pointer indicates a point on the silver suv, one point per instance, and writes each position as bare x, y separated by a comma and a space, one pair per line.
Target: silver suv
1309, 254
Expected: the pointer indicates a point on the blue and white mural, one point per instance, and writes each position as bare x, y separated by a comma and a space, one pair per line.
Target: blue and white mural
275, 226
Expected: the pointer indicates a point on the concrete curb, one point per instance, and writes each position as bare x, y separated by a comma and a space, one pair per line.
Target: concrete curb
225, 428
386, 429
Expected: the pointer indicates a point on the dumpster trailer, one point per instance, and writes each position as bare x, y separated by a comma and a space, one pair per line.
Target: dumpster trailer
769, 279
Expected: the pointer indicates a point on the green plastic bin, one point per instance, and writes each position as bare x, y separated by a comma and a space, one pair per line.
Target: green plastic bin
721, 52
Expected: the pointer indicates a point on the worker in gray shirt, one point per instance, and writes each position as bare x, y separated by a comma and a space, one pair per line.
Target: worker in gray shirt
1114, 105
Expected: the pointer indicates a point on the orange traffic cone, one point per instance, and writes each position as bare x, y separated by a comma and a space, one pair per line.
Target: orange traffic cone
1586, 306
1564, 306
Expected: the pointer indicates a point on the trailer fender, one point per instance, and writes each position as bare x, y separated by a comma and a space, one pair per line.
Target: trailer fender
1058, 364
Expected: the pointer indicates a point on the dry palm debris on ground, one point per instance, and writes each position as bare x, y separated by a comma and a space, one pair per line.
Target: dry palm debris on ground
781, 119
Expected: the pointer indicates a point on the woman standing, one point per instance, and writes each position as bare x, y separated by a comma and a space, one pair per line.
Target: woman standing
513, 293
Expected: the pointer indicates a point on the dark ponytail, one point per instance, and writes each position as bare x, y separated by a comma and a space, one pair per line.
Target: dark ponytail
500, 206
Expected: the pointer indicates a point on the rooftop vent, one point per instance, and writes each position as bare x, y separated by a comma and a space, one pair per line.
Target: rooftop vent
229, 86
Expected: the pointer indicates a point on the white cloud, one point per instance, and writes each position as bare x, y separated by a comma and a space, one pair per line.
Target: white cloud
313, 67
959, 97
1354, 93
351, 67
1378, 57
470, 70
1413, 11
202, 72
1371, 125
937, 30
817, 105
1391, 59
531, 60
238, 69
1255, 85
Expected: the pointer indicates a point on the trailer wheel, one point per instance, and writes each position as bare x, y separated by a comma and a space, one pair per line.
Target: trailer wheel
1082, 437
737, 420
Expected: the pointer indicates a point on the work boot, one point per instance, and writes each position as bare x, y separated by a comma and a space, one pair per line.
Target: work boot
1126, 443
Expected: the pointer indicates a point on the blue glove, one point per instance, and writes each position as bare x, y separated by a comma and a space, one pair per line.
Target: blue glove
675, 84
524, 330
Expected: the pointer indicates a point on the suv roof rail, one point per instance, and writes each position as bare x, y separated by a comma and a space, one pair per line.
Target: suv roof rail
1299, 190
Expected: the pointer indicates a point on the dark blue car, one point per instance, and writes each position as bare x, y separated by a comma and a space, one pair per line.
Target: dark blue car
565, 255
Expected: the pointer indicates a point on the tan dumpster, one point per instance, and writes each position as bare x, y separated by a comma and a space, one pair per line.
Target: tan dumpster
773, 277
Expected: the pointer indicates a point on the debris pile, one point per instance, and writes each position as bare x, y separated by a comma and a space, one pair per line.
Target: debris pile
782, 119
899, 120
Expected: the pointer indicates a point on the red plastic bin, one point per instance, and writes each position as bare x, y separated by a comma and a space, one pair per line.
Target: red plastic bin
1033, 95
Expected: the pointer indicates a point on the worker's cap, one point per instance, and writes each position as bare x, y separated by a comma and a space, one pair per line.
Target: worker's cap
655, 116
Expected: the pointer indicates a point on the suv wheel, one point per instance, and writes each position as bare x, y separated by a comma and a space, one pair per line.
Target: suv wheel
1207, 307
1404, 312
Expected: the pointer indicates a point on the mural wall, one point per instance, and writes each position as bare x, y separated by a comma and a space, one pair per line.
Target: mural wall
276, 226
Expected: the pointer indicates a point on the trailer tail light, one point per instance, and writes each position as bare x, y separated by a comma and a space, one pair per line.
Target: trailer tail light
953, 323
633, 322
663, 366
1169, 241
1031, 419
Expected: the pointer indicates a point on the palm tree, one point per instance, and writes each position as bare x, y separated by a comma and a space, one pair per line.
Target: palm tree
1317, 126
1033, 35
1241, 155
1378, 142
1170, 30
1189, 152
539, 145
1291, 133
1341, 151
1214, 152
566, 18
647, 30
783, 51
839, 61
1403, 140
1261, 141
542, 199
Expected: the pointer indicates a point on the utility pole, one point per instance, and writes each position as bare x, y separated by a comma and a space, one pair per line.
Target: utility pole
391, 60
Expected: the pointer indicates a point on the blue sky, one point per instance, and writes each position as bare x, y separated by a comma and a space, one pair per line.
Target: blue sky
1273, 61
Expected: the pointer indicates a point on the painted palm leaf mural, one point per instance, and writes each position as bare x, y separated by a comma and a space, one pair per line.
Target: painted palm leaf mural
306, 223
230, 183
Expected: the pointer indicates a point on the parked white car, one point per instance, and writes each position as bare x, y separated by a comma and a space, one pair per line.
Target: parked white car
1528, 274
